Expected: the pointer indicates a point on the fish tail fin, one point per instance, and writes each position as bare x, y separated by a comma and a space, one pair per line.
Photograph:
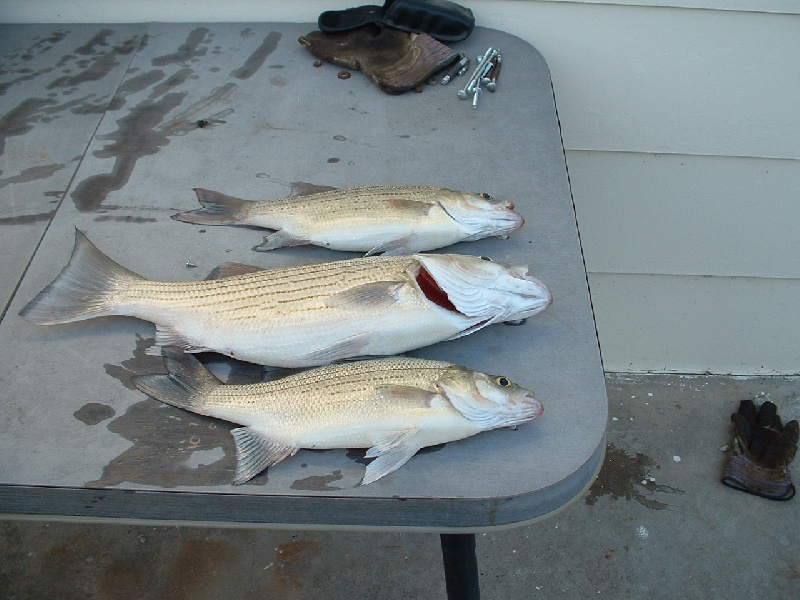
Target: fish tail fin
186, 385
218, 209
91, 285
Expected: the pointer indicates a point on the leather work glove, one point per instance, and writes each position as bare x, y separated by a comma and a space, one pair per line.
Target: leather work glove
396, 61
762, 449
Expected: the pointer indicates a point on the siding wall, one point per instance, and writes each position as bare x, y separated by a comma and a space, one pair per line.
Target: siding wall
682, 132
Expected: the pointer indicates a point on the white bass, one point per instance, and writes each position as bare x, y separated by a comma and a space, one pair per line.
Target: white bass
299, 316
385, 219
393, 406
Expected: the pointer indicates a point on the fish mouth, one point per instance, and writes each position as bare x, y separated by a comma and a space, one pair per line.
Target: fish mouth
533, 408
524, 408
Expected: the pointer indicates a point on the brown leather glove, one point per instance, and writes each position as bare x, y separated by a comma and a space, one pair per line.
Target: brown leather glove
762, 449
397, 61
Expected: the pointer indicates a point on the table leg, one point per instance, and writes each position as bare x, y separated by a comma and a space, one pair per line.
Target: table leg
460, 566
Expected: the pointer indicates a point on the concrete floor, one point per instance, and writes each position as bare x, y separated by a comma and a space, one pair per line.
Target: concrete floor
656, 524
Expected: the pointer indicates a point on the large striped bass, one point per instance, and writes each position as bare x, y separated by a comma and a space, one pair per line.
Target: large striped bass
388, 219
299, 316
393, 406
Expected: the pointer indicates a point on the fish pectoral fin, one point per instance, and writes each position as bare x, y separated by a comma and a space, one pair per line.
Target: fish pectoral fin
343, 350
255, 451
231, 269
390, 453
398, 247
414, 207
280, 239
406, 394
375, 295
169, 336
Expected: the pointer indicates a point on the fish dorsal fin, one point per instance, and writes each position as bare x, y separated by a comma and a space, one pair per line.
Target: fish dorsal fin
255, 451
374, 295
231, 269
302, 188
390, 453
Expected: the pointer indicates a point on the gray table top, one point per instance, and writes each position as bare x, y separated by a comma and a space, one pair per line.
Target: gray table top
100, 132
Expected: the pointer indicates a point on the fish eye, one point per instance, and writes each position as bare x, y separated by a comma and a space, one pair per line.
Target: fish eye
485, 196
486, 258
502, 381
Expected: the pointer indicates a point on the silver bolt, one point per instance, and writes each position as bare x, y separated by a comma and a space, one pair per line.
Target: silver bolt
475, 78
491, 82
476, 96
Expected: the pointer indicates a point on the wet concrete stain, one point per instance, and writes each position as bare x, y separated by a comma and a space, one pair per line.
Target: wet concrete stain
191, 50
28, 219
145, 129
164, 438
137, 136
22, 119
186, 121
257, 58
93, 413
99, 67
628, 477
318, 483
32, 174
292, 561
100, 39
195, 572
125, 219
123, 581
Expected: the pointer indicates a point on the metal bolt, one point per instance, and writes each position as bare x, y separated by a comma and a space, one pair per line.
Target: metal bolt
491, 81
476, 96
475, 78
458, 69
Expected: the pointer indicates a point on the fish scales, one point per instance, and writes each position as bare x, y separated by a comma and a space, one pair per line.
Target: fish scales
299, 316
392, 406
391, 220
269, 288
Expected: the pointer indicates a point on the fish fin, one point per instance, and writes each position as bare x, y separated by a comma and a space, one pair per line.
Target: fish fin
301, 188
280, 239
170, 336
406, 393
255, 451
477, 326
231, 269
414, 207
218, 209
378, 294
89, 286
340, 351
398, 247
390, 453
186, 385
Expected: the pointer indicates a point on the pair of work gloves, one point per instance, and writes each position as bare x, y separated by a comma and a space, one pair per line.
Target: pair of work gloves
762, 449
397, 45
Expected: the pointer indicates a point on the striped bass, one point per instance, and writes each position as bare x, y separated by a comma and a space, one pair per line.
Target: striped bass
386, 219
393, 406
299, 316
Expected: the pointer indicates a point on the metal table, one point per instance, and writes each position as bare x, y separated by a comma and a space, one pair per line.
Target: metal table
108, 129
